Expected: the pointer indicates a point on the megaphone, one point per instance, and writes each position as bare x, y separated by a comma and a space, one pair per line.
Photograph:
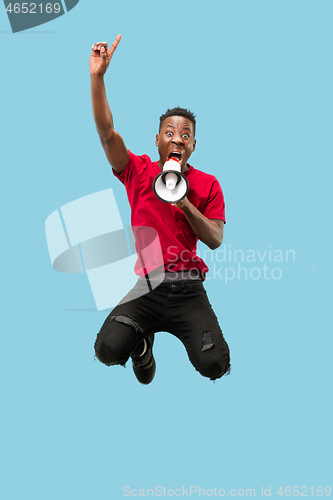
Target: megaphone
171, 185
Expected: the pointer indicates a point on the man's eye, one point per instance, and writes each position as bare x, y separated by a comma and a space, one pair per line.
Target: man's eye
169, 133
185, 135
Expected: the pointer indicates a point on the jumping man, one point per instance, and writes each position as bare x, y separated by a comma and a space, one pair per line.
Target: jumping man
178, 303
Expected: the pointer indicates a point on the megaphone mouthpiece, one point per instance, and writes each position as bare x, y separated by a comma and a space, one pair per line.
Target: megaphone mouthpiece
172, 164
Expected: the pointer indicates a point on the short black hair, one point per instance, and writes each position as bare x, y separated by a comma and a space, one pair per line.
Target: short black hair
186, 113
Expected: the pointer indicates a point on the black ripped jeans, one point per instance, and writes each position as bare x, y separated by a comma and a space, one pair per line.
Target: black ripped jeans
181, 308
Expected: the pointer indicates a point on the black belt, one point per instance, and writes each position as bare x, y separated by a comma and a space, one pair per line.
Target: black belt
192, 274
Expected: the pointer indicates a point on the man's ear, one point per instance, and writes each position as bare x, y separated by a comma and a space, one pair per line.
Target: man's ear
157, 139
194, 144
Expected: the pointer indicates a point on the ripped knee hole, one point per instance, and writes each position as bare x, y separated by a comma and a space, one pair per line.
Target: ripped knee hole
127, 320
207, 341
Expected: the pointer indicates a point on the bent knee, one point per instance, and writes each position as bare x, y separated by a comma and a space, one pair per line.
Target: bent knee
214, 368
107, 354
115, 340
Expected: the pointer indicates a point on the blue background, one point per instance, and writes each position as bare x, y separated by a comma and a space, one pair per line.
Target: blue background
258, 75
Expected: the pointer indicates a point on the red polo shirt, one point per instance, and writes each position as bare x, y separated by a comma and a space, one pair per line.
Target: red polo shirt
176, 236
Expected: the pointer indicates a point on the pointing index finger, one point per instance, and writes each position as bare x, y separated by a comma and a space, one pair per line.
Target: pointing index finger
114, 45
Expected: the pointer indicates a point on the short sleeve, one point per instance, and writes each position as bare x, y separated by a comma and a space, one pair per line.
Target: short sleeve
134, 166
215, 207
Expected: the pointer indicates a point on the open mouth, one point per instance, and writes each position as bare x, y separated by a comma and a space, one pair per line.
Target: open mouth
176, 155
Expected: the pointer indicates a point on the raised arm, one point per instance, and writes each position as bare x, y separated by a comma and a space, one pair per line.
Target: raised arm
112, 142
